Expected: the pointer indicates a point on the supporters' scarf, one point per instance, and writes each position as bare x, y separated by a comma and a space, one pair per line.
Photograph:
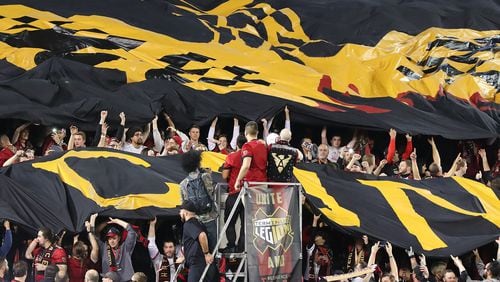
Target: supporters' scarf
324, 266
45, 257
164, 273
111, 258
358, 257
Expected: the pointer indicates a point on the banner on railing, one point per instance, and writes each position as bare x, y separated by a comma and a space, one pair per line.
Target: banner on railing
273, 233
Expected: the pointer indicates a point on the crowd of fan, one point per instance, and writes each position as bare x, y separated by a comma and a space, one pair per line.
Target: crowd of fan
250, 157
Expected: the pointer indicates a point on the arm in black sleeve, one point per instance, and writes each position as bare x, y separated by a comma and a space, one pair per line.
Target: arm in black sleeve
97, 136
119, 132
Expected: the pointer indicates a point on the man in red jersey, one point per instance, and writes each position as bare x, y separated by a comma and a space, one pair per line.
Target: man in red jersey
44, 251
254, 155
231, 170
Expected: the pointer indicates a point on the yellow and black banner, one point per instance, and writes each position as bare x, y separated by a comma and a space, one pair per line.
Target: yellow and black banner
438, 217
429, 69
273, 233
62, 190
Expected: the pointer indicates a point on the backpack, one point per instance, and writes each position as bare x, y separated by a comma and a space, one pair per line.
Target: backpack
198, 194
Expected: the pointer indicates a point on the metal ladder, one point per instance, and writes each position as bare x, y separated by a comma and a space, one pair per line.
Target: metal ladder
240, 273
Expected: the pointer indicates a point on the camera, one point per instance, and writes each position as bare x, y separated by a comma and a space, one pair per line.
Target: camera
382, 244
307, 145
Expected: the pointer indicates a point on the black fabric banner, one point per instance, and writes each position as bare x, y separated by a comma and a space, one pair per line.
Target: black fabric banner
273, 233
438, 217
374, 65
62, 190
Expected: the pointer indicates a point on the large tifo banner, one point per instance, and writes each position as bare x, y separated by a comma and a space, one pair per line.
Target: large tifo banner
63, 63
438, 217
273, 233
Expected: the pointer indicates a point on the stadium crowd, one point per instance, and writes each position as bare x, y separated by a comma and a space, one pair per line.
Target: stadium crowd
116, 250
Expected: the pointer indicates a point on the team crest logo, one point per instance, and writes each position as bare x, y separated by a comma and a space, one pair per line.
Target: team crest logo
272, 231
281, 161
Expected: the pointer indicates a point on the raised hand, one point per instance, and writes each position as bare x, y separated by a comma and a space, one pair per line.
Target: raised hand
413, 155
393, 133
73, 129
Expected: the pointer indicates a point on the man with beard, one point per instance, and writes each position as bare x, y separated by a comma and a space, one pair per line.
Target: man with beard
116, 252
135, 141
195, 243
165, 265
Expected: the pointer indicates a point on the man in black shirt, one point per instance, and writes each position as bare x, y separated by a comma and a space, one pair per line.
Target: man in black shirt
195, 243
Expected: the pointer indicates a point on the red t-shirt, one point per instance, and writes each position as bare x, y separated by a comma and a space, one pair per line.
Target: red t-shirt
233, 163
77, 269
257, 150
41, 255
5, 154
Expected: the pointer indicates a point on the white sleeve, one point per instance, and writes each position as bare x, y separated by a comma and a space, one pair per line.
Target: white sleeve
154, 253
157, 140
287, 125
183, 136
236, 132
211, 133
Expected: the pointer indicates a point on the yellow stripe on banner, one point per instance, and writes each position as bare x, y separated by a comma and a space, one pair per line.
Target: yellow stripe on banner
312, 186
486, 196
416, 224
212, 160
371, 70
170, 199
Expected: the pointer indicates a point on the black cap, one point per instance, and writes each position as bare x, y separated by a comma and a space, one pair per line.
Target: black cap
189, 206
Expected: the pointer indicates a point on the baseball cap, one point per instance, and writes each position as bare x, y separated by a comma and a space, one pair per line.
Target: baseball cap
112, 232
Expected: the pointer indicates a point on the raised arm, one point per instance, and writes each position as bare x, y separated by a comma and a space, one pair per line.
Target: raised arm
152, 248
373, 253
90, 226
147, 130
236, 132
436, 158
287, 119
265, 133
392, 261
355, 157
18, 130
411, 255
323, 136
71, 143
104, 131
120, 132
484, 158
169, 120
7, 240
414, 166
380, 167
211, 134
453, 168
391, 150
157, 136
98, 132
409, 147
